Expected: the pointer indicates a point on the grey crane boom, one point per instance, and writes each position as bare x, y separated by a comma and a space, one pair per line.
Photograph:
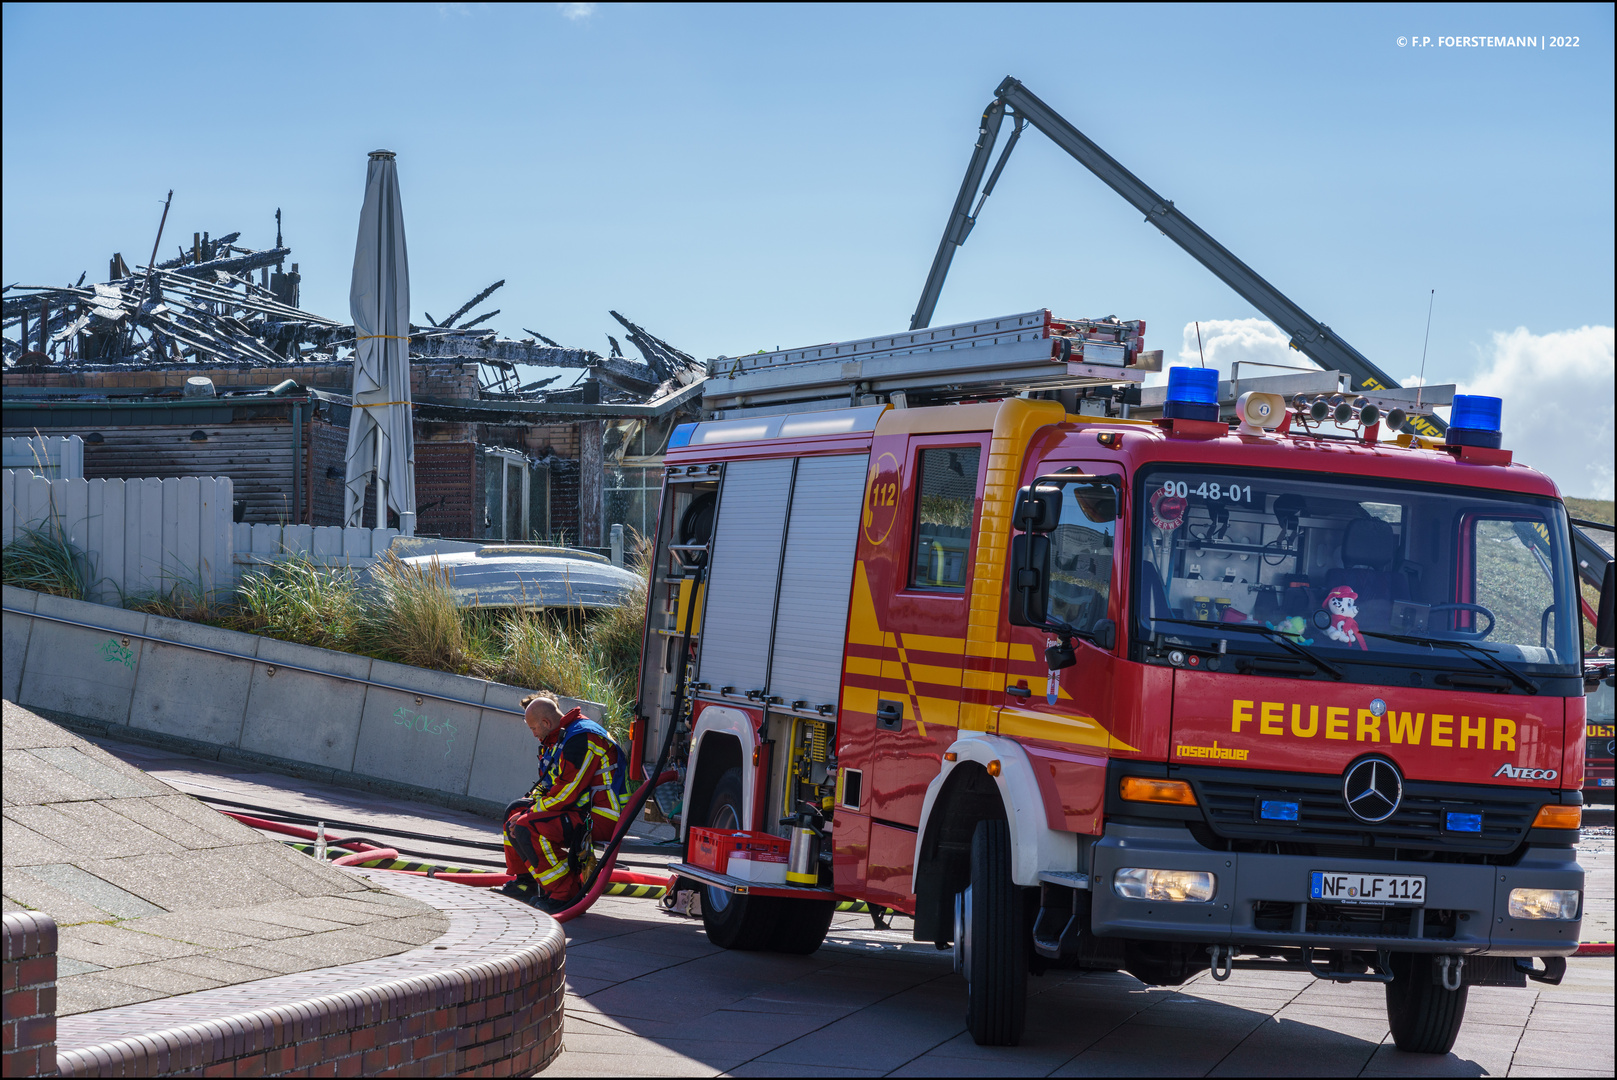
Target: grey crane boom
1309, 336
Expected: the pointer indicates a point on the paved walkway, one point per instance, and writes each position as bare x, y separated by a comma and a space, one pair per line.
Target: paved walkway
647, 995
156, 895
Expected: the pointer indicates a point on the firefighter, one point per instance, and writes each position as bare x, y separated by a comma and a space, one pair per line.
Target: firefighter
580, 791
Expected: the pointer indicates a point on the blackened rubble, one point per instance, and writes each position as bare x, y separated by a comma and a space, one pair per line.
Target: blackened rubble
205, 307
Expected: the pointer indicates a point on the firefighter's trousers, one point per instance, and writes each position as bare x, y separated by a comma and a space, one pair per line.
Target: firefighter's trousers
538, 844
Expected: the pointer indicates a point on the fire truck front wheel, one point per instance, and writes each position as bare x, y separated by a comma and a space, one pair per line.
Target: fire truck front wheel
732, 921
991, 945
1424, 1016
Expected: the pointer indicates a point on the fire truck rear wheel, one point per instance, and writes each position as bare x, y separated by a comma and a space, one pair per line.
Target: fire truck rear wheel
1424, 1017
990, 941
734, 922
802, 925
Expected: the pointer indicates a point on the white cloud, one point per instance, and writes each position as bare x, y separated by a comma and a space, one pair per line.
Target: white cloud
576, 12
1226, 341
1558, 391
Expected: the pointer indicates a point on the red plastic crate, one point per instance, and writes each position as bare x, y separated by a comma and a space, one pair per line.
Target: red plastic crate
711, 848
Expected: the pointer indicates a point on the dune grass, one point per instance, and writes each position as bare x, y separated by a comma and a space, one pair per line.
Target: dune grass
43, 559
407, 614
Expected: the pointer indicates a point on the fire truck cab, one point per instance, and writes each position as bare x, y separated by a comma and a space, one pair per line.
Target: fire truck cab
1077, 691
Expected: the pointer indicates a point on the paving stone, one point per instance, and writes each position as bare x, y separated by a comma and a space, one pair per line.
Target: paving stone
770, 1068
33, 782
115, 782
713, 1054
883, 1036
35, 895
92, 936
93, 992
1553, 1049
1300, 1049
164, 978
89, 828
582, 1064
91, 889
216, 967
25, 847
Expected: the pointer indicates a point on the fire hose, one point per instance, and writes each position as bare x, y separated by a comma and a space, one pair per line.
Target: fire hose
604, 872
364, 852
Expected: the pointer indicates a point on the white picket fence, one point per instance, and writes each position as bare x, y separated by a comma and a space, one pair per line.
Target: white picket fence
325, 545
140, 536
55, 456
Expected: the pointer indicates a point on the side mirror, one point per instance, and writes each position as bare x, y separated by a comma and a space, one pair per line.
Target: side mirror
1104, 634
1038, 509
1605, 638
1030, 581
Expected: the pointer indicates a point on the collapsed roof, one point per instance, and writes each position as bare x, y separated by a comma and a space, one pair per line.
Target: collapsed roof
204, 307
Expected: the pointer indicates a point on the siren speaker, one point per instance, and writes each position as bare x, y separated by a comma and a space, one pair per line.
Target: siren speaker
1259, 412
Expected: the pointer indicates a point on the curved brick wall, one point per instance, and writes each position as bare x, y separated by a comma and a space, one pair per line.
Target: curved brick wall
485, 997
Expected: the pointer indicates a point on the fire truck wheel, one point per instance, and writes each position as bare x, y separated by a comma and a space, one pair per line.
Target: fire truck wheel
1424, 1017
991, 947
734, 922
802, 925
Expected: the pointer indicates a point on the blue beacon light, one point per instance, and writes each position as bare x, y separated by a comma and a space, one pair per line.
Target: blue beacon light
1474, 421
1192, 394
681, 436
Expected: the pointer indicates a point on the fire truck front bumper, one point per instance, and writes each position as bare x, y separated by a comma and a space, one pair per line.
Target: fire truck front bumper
1258, 901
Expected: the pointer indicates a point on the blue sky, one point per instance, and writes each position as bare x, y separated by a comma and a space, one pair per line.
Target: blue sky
738, 178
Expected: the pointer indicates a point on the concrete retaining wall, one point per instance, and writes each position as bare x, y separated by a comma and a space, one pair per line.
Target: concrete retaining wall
328, 715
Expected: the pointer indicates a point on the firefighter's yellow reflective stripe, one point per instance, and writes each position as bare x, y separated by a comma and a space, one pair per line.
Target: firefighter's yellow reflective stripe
569, 795
1053, 727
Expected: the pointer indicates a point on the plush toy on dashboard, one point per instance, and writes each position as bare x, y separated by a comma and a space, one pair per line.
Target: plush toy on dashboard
1342, 607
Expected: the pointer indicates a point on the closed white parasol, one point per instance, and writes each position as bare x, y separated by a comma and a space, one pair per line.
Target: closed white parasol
380, 442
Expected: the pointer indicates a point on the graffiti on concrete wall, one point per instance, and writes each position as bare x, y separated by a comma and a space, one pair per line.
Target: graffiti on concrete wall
423, 724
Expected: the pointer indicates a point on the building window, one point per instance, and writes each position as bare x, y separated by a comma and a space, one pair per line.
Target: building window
631, 495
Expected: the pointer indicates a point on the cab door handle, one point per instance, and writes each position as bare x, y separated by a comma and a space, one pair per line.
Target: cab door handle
889, 715
1018, 691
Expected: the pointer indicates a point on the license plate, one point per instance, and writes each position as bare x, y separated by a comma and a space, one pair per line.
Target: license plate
1344, 887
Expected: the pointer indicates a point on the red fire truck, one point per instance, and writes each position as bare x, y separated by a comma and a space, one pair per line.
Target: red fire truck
1091, 691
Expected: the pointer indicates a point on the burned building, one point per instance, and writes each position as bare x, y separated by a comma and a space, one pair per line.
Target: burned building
193, 367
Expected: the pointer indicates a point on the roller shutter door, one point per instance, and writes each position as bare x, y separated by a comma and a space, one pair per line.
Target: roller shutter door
746, 565
817, 575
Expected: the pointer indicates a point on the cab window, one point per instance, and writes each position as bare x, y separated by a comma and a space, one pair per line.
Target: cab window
1081, 556
946, 496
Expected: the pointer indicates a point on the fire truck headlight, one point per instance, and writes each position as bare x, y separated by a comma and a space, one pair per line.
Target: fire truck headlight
1174, 886
1544, 904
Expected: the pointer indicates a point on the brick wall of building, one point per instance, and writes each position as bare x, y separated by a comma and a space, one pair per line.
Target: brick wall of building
446, 488
29, 980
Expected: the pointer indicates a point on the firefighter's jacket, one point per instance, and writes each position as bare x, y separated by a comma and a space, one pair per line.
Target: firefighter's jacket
580, 771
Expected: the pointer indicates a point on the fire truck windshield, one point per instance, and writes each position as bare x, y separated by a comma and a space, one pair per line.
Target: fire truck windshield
1356, 571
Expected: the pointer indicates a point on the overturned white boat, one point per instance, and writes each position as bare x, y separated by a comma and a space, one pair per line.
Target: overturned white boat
522, 575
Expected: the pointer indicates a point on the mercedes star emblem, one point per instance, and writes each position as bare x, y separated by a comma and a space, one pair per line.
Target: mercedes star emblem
1373, 789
